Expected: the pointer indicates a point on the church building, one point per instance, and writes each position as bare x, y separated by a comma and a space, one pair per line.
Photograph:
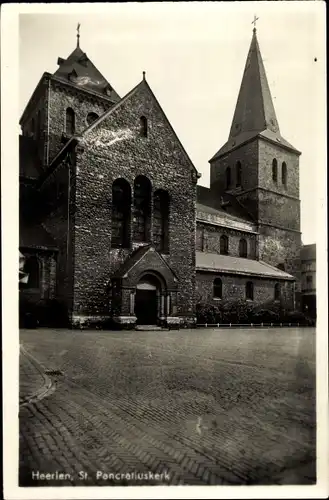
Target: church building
115, 229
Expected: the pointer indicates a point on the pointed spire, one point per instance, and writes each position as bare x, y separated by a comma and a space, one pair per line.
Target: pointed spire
254, 114
78, 35
254, 110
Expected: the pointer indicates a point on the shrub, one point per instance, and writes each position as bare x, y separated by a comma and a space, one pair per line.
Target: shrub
265, 316
297, 317
240, 312
225, 312
208, 313
237, 312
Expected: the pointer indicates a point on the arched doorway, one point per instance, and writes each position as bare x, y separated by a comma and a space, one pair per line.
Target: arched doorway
147, 300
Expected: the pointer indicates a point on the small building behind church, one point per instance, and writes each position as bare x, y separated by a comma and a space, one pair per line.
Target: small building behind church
308, 261
114, 227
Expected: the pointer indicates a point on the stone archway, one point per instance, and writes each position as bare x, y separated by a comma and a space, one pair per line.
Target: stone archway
148, 300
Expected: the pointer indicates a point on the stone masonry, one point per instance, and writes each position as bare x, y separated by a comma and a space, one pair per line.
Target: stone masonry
67, 175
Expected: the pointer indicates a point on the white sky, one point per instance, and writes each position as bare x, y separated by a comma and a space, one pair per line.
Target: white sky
194, 56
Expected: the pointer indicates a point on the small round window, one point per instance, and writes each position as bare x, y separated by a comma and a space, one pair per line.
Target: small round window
91, 117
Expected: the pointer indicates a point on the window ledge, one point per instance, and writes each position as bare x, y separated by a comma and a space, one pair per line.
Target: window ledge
217, 298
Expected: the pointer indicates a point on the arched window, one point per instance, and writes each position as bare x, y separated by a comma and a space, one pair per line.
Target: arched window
142, 208
224, 244
143, 126
238, 174
70, 121
275, 170
121, 202
284, 174
228, 177
243, 248
32, 269
277, 291
160, 220
217, 288
249, 290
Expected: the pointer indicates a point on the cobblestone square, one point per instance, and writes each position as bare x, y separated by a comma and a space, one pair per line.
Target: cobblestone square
204, 406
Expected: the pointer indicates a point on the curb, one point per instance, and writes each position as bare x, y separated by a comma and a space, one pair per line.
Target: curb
47, 387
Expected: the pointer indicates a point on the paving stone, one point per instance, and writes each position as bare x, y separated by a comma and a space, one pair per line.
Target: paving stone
209, 407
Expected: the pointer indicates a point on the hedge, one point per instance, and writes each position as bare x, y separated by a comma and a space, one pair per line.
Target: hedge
242, 312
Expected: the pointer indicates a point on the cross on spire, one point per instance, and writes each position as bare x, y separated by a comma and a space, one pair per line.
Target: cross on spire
78, 35
254, 23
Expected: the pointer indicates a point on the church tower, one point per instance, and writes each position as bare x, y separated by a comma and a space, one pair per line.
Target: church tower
261, 169
65, 103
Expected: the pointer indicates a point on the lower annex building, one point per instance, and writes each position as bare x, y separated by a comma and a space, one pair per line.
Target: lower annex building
113, 223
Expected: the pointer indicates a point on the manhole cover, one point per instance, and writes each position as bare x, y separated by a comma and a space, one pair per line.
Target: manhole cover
54, 372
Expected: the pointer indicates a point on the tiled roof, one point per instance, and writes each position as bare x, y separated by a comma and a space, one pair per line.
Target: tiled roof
308, 252
236, 265
35, 237
79, 70
203, 209
225, 203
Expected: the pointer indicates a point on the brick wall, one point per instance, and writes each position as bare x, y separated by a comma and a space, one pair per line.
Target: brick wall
276, 207
208, 240
266, 153
63, 97
277, 246
114, 149
278, 210
234, 289
248, 156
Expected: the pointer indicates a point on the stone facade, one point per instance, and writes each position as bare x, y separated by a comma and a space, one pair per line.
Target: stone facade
274, 207
50, 100
115, 149
117, 200
234, 289
248, 155
60, 99
208, 240
76, 204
